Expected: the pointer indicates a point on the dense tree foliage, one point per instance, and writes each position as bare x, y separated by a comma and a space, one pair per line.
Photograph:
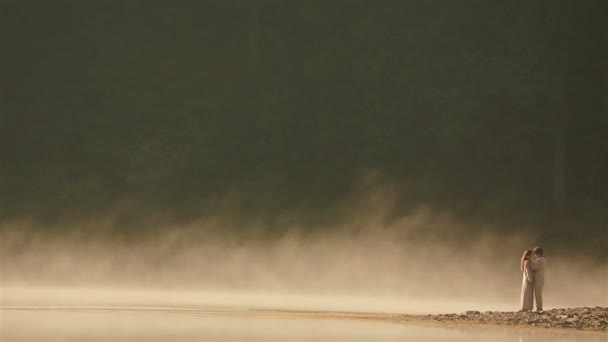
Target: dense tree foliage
492, 110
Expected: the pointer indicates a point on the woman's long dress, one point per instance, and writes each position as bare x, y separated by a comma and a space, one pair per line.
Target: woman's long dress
527, 288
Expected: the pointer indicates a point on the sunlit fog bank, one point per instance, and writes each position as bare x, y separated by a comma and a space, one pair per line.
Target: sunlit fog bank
424, 262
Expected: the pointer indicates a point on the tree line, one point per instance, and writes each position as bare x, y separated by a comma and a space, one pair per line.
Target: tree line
495, 111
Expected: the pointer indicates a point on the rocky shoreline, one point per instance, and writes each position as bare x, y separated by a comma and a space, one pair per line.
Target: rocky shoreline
585, 318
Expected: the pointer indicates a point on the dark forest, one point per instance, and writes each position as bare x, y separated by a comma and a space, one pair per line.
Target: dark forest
495, 112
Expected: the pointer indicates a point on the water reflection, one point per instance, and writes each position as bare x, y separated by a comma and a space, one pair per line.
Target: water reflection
55, 325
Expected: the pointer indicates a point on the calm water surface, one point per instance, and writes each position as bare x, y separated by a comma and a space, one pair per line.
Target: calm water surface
115, 325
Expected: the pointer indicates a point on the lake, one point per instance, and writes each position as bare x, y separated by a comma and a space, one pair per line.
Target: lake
167, 324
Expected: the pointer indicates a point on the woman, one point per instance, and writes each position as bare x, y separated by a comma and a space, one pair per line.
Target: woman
527, 284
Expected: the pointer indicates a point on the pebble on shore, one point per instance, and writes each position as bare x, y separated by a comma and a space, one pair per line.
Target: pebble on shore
574, 318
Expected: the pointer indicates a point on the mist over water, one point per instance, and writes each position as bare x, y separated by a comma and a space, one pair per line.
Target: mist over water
216, 279
169, 169
423, 263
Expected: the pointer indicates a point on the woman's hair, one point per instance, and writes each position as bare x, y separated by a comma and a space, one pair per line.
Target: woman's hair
527, 253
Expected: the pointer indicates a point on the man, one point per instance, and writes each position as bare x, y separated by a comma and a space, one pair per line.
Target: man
538, 269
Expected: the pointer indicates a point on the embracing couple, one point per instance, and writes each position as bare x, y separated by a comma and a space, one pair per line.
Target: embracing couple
533, 266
